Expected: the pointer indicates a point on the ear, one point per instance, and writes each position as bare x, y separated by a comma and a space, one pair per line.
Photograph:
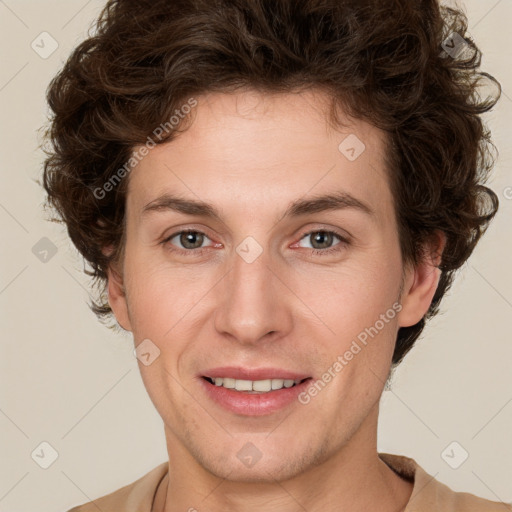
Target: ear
117, 295
421, 282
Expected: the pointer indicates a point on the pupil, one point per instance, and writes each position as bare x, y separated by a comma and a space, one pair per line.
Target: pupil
188, 238
322, 235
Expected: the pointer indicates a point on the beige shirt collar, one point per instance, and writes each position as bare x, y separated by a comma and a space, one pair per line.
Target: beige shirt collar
428, 495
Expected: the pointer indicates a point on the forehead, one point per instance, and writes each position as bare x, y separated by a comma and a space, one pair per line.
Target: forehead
262, 150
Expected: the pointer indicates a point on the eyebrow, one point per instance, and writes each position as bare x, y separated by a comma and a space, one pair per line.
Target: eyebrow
335, 201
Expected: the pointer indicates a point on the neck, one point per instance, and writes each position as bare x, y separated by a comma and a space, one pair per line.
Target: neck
353, 479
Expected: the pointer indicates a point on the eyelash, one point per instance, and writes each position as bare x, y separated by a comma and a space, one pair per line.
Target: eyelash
330, 250
317, 252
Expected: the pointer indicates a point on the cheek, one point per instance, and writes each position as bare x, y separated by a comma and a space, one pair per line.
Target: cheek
358, 305
352, 297
159, 297
165, 299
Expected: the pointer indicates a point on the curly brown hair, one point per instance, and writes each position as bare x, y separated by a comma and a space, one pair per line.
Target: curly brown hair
390, 63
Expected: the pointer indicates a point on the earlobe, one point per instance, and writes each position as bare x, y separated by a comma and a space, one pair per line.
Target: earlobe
117, 298
420, 283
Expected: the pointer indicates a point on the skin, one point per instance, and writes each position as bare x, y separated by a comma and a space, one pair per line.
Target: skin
250, 156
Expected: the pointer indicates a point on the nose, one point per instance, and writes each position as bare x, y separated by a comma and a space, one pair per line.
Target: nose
255, 305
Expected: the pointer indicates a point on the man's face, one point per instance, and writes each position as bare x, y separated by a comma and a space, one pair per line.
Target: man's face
259, 295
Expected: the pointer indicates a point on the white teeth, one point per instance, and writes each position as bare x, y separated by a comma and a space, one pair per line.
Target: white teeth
277, 383
243, 385
262, 385
228, 383
251, 386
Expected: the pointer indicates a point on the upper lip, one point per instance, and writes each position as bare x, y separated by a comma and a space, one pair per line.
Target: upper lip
236, 372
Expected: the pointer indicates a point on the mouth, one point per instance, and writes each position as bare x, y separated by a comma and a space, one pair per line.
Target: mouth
254, 392
254, 386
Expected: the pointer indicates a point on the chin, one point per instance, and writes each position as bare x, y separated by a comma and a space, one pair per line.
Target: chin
249, 464
263, 473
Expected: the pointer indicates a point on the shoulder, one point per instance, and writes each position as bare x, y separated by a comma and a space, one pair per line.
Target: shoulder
134, 497
430, 495
468, 502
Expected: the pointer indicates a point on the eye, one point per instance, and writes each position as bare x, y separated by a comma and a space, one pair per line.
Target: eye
190, 242
187, 241
321, 241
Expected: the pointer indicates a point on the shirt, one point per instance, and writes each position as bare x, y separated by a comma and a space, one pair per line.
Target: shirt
428, 494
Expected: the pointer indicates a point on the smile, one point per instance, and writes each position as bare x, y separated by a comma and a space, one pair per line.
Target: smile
253, 392
253, 386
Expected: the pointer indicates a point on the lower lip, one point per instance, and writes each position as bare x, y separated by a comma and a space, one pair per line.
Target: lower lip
252, 404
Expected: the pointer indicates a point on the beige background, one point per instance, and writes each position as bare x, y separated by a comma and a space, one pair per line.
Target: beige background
67, 380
